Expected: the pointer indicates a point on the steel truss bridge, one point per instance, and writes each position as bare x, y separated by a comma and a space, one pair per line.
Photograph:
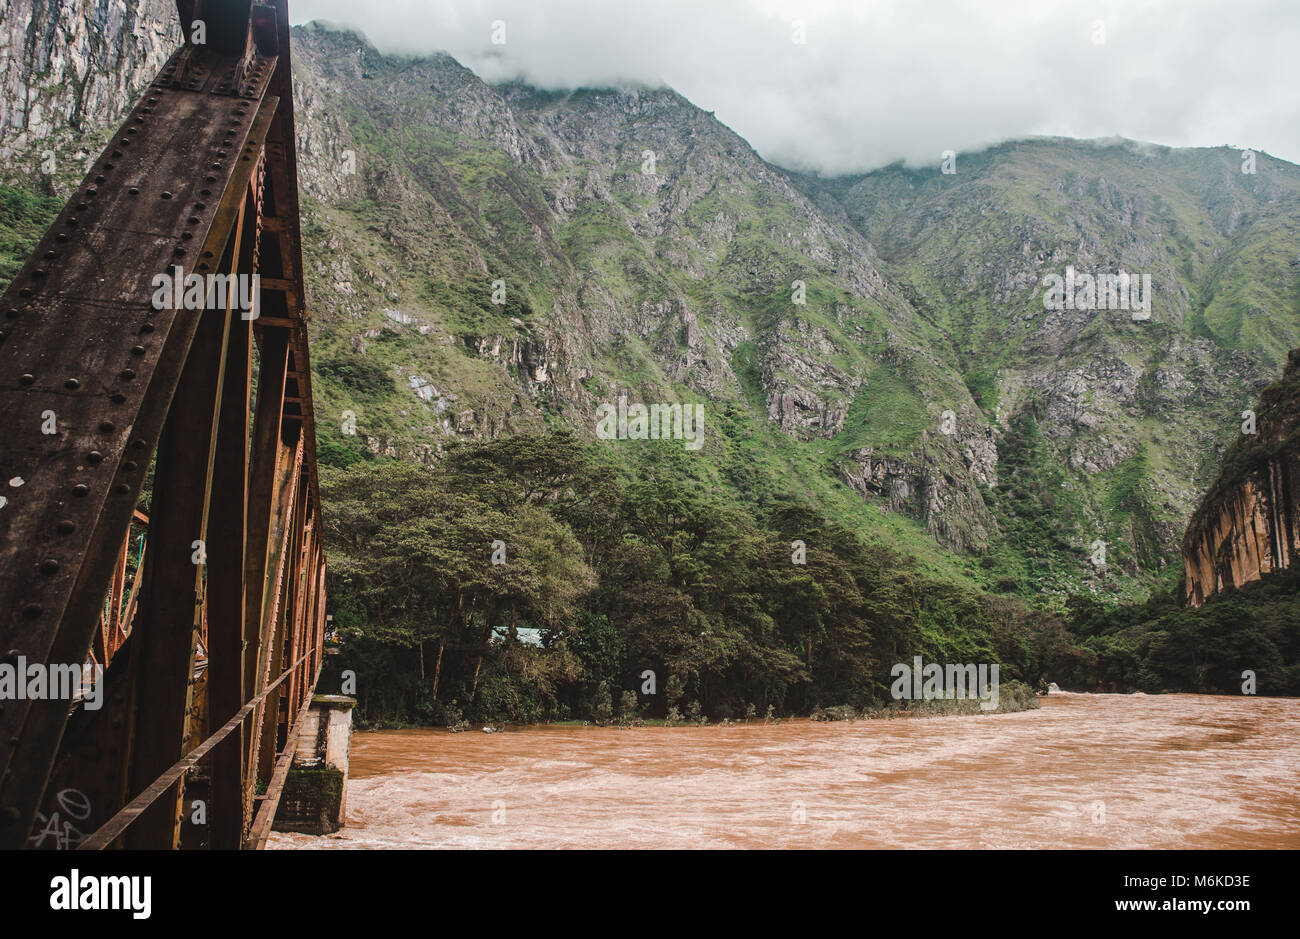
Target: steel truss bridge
160, 515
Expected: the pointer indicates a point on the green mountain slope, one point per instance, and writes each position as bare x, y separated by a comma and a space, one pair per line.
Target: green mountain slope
666, 286
923, 295
1132, 413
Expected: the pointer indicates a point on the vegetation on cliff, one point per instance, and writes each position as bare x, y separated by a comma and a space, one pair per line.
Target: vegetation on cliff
1161, 645
606, 574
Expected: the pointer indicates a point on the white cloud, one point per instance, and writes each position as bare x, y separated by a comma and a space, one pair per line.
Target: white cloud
882, 81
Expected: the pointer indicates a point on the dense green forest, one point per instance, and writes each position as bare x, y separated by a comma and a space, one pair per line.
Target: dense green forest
1161, 645
530, 578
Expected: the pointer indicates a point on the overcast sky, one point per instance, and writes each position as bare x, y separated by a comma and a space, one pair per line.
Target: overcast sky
875, 82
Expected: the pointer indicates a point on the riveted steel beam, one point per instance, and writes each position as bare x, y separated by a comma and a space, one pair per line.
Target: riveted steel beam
95, 372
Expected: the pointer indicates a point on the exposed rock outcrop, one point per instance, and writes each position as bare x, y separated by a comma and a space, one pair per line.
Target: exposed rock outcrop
1249, 522
70, 67
920, 486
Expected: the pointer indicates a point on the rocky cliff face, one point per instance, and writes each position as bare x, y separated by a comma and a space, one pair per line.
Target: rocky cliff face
1249, 522
70, 68
919, 485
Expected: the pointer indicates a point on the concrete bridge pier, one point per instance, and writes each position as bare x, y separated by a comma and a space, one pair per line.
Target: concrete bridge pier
314, 800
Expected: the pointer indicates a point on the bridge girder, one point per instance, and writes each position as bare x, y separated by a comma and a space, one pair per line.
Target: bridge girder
227, 596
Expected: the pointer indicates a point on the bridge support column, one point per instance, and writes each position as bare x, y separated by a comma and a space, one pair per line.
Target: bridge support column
314, 801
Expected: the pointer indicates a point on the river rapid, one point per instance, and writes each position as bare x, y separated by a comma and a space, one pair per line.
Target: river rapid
1083, 771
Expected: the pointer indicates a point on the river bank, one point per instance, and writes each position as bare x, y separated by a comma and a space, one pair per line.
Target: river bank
1012, 697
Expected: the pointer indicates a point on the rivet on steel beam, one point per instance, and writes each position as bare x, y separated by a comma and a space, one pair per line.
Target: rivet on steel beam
179, 252
166, 195
205, 192
71, 384
92, 192
130, 466
126, 374
82, 206
147, 328
209, 179
80, 489
137, 350
25, 292
100, 178
94, 457
121, 489
108, 166
13, 314
51, 255
117, 397
26, 379
32, 611
71, 222
200, 206
139, 443
61, 237
133, 191
49, 566
106, 427
67, 526
116, 154
38, 273
187, 235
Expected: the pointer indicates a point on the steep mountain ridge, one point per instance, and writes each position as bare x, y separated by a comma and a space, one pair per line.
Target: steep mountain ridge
1111, 392
656, 255
924, 295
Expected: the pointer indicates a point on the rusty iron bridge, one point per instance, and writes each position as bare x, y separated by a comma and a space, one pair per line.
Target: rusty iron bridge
159, 512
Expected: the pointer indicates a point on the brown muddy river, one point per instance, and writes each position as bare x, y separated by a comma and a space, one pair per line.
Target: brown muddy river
1083, 771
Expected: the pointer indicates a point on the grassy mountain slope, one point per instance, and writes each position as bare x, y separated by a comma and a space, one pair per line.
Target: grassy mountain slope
1132, 413
666, 286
